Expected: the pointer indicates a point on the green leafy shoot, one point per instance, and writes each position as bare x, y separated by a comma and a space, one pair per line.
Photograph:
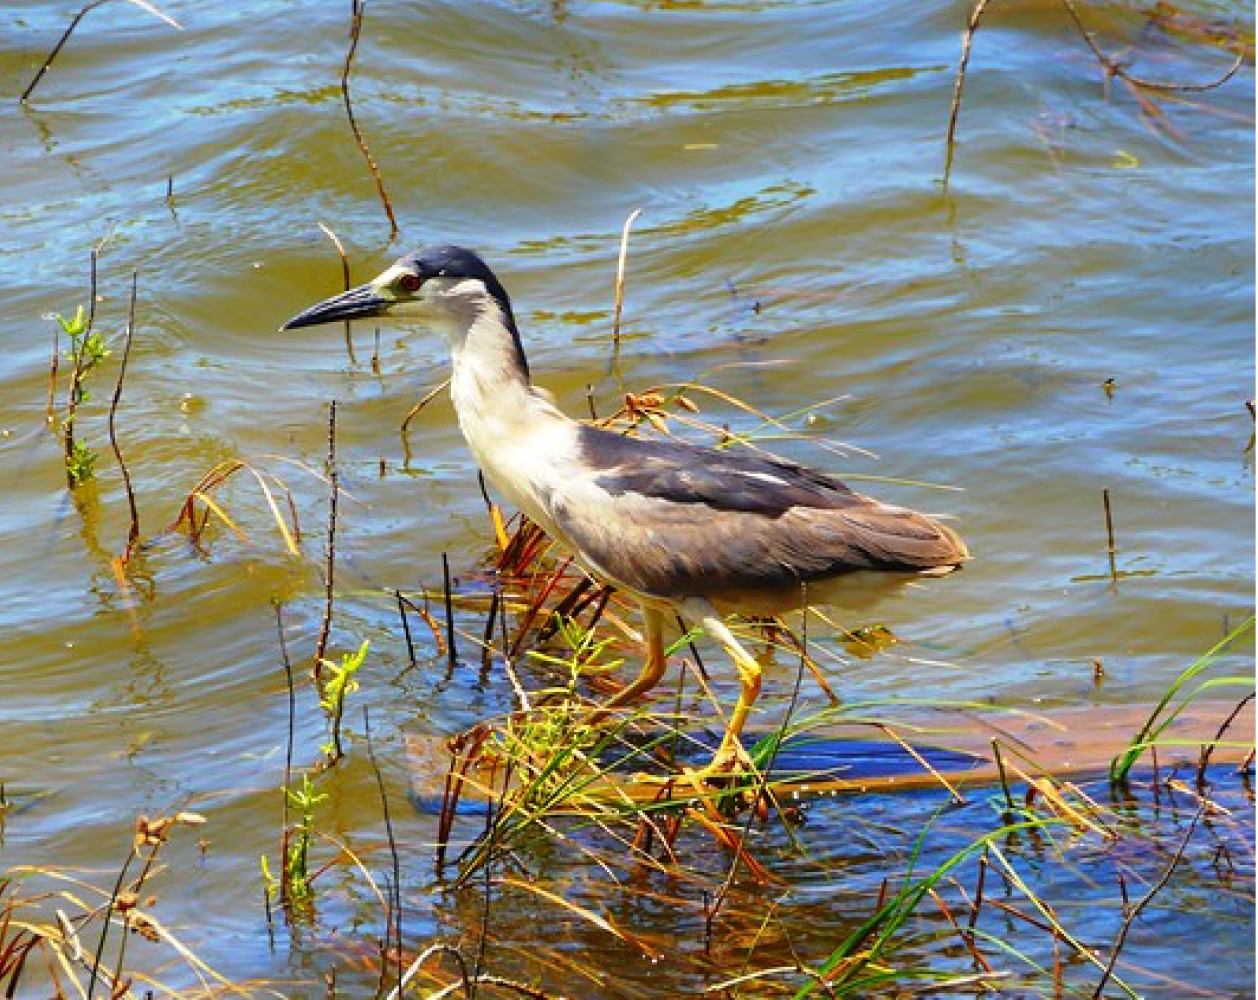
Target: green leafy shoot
87, 349
340, 684
1161, 718
585, 650
296, 886
80, 463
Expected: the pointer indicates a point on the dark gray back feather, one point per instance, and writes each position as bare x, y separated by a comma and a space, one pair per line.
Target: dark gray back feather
676, 520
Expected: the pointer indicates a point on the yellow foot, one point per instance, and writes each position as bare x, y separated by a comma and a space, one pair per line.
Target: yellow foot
729, 761
731, 766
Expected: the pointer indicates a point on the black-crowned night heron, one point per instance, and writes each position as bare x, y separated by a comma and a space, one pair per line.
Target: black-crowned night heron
704, 531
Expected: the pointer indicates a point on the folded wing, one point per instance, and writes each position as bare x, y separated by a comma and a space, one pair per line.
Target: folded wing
676, 520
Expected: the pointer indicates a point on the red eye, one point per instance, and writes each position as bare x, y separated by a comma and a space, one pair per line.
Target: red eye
410, 282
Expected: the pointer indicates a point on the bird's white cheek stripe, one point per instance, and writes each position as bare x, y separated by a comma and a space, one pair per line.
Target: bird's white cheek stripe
383, 283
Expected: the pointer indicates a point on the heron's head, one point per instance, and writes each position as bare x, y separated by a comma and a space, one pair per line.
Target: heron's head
447, 287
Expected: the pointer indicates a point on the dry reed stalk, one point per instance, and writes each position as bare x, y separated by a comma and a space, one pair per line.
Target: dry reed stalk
619, 300
340, 250
325, 627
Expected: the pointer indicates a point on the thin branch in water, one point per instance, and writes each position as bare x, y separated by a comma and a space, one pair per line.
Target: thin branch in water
56, 50
1004, 780
1208, 749
1144, 901
452, 652
428, 397
967, 39
133, 533
1113, 68
340, 249
53, 365
356, 25
406, 626
325, 628
1111, 548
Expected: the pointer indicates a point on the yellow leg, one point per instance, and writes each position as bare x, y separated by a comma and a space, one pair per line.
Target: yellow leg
652, 669
731, 752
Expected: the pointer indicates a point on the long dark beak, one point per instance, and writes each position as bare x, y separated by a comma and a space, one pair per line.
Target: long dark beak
358, 303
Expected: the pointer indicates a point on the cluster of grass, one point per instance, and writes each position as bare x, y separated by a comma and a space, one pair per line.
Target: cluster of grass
56, 924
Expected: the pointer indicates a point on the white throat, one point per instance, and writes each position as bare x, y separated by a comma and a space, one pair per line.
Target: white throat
513, 431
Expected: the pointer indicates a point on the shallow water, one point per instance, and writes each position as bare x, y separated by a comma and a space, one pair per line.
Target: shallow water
788, 160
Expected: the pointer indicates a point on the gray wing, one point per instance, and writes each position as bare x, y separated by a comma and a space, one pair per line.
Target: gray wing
679, 520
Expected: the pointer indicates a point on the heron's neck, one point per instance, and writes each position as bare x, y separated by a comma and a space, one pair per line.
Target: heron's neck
490, 381
511, 428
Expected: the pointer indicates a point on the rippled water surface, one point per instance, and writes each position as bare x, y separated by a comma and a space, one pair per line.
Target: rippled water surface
788, 160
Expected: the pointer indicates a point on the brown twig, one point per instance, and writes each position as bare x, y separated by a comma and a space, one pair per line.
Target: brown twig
1112, 68
1144, 901
487, 637
1109, 65
349, 339
452, 652
1111, 548
356, 25
54, 365
977, 904
967, 39
1208, 749
967, 938
1004, 780
325, 628
1247, 763
406, 626
133, 533
65, 37
428, 397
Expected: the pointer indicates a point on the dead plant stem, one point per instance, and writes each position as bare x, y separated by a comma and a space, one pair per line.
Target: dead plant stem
325, 628
356, 24
1145, 900
65, 37
452, 653
340, 250
618, 305
133, 533
967, 39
